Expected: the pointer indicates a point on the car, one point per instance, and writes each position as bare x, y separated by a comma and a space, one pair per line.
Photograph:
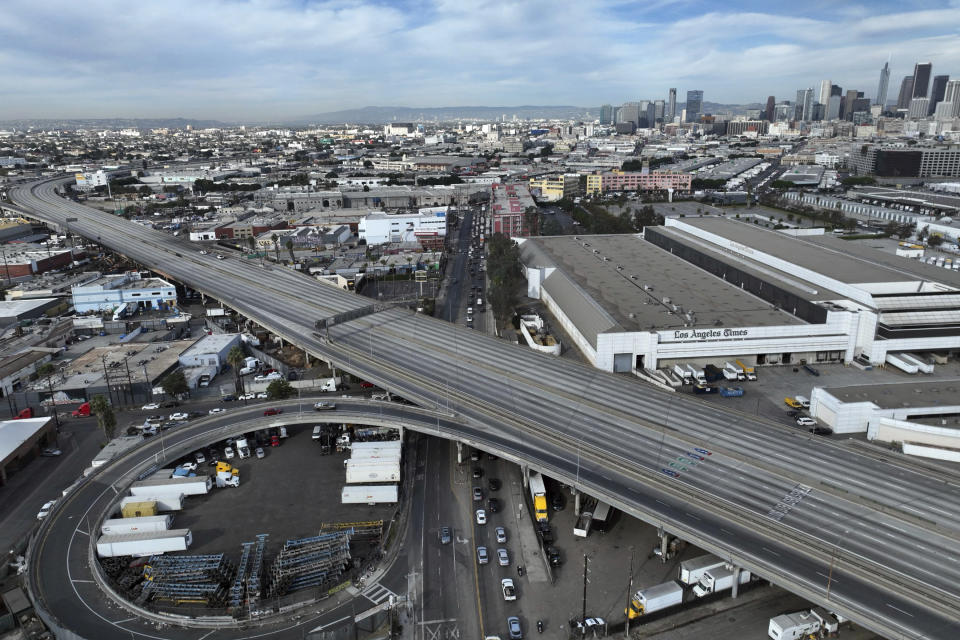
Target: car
220, 256
246, 396
553, 555
366, 385
45, 509
273, 411
481, 516
325, 406
270, 377
151, 406
445, 537
503, 557
169, 404
477, 494
189, 466
513, 626
509, 591
501, 535
199, 457
274, 441
179, 416
203, 252
482, 557
493, 505
477, 472
261, 396
259, 452
51, 452
475, 456
557, 501
493, 484
228, 452
805, 421
821, 431
216, 410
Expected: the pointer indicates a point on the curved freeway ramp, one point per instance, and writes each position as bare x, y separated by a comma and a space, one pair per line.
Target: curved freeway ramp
871, 536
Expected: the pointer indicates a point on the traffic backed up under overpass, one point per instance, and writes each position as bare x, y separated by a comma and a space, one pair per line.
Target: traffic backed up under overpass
868, 535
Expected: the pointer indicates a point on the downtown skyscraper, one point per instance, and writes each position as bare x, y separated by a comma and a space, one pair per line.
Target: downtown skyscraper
671, 105
884, 85
921, 79
694, 105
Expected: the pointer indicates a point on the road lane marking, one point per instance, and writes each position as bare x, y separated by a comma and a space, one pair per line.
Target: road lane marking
906, 613
79, 580
206, 634
693, 516
771, 551
830, 578
325, 626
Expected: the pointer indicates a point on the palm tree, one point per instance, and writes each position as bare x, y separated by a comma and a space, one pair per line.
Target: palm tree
236, 359
289, 245
106, 420
252, 242
276, 245
47, 370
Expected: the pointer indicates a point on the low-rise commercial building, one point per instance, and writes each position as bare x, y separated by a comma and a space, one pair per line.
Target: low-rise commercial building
133, 289
635, 181
21, 441
210, 351
553, 188
509, 204
379, 227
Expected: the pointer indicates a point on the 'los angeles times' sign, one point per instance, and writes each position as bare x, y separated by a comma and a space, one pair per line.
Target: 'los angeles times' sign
707, 334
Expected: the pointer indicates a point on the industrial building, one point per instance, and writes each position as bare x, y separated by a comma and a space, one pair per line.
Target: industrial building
27, 260
708, 290
555, 187
133, 289
634, 181
379, 228
508, 206
210, 351
21, 441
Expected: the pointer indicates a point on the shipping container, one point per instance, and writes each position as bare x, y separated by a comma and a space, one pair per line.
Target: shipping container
165, 502
144, 544
116, 526
137, 509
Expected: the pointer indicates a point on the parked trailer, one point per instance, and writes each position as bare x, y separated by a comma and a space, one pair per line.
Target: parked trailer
369, 494
656, 598
922, 366
729, 374
365, 473
685, 374
902, 364
693, 569
148, 543
793, 626
160, 502
163, 486
138, 509
116, 526
718, 579
381, 444
538, 493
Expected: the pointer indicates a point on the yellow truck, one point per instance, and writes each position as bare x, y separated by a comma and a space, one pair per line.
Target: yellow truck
793, 403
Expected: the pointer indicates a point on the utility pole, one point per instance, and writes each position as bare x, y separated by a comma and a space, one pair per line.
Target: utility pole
583, 617
106, 377
626, 631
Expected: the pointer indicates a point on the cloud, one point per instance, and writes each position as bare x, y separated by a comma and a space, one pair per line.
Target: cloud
269, 60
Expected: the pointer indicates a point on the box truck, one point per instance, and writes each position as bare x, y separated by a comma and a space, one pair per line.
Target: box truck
148, 543
538, 493
693, 569
369, 494
117, 526
793, 626
718, 579
656, 598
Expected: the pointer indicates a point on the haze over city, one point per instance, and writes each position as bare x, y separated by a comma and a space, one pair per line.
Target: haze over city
271, 61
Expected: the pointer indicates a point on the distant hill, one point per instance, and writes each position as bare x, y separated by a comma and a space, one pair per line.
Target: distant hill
382, 115
110, 123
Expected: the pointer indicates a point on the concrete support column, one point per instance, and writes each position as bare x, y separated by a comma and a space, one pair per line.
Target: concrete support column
525, 474
459, 452
736, 580
400, 431
576, 503
664, 545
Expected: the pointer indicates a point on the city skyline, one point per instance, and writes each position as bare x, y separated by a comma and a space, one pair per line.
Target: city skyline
270, 61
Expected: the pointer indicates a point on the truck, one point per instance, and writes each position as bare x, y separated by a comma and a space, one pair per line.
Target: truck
718, 579
138, 509
83, 411
729, 366
581, 527
159, 502
748, 371
793, 626
792, 403
712, 373
227, 475
731, 392
730, 374
367, 472
538, 494
177, 486
369, 494
374, 456
657, 598
24, 414
803, 400
148, 543
693, 569
117, 526
601, 516
686, 375
243, 449
328, 384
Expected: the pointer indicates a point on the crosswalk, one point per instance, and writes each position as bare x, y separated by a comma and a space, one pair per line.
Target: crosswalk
377, 593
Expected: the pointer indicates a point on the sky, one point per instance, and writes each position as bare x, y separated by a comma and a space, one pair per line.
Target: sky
267, 60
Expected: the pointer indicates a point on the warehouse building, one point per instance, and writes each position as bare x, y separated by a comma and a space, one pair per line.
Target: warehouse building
132, 289
710, 290
21, 441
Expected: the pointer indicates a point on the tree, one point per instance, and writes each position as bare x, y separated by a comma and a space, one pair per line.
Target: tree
934, 240
106, 419
46, 370
289, 245
236, 359
279, 390
252, 242
175, 384
276, 245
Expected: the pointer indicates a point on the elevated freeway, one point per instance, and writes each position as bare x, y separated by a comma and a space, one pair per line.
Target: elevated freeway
869, 536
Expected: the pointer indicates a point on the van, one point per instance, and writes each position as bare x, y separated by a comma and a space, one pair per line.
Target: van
804, 402
317, 431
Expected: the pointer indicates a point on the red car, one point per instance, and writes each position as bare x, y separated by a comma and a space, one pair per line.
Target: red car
272, 412
274, 441
366, 385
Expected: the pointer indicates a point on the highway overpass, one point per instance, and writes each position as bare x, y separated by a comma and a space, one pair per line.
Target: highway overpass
870, 535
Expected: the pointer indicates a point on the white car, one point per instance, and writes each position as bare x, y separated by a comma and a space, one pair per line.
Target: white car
179, 416
217, 410
804, 421
45, 509
481, 516
509, 591
246, 396
270, 377
261, 396
228, 452
501, 535
503, 557
204, 252
153, 406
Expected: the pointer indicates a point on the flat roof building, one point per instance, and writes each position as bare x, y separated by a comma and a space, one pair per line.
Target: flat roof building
111, 291
20, 442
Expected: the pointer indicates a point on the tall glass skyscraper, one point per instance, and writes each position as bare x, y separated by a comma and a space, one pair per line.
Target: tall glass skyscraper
671, 106
884, 85
694, 105
921, 79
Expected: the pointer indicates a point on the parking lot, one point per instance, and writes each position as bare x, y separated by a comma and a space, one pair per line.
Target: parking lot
288, 494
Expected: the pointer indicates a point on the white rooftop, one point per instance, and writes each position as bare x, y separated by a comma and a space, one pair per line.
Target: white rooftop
14, 433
